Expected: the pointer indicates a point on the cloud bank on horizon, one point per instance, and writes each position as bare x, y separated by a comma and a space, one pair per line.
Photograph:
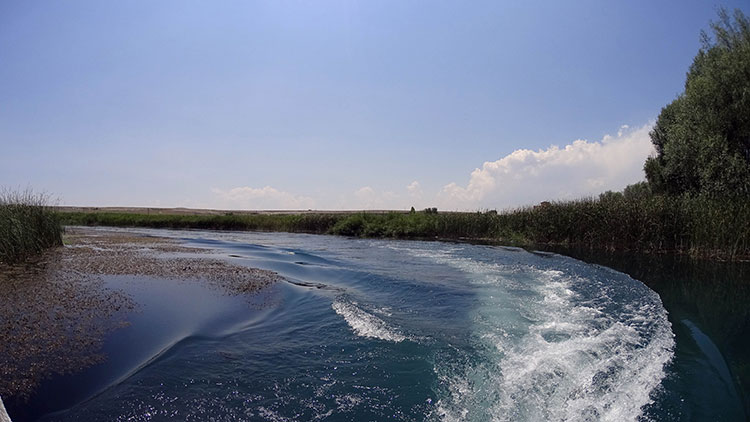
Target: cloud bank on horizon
265, 198
523, 177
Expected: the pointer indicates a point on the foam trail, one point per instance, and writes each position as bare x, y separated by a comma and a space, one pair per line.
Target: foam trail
365, 324
3, 413
553, 344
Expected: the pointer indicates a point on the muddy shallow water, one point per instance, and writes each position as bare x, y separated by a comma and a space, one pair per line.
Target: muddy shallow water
56, 310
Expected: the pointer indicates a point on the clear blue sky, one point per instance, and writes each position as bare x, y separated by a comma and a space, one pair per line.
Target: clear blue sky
303, 104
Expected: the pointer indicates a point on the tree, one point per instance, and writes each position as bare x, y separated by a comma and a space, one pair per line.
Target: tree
637, 191
702, 138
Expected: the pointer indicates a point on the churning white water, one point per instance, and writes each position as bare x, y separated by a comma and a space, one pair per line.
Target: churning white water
366, 324
575, 343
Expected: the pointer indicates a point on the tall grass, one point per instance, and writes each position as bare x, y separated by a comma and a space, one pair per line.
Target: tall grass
304, 223
27, 225
697, 226
648, 223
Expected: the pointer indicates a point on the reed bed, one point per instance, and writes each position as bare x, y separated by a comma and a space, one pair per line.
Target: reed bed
696, 226
302, 223
27, 225
650, 223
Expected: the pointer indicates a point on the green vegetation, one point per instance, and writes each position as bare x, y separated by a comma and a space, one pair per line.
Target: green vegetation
27, 226
702, 138
305, 223
631, 220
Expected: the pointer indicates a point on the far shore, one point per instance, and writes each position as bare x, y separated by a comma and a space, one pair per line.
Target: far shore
208, 211
699, 227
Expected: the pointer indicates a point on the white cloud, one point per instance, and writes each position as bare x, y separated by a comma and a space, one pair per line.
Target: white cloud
365, 193
368, 198
265, 198
581, 168
622, 130
523, 177
414, 189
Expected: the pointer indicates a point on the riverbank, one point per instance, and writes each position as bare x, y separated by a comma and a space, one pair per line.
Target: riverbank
698, 227
55, 309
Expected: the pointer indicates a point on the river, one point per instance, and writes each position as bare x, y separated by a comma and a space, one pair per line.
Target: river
412, 330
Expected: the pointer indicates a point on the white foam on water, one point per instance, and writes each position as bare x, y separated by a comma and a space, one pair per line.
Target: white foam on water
365, 324
3, 413
551, 351
273, 416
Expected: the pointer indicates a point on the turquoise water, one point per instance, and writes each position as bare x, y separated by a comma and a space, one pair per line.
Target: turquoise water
399, 330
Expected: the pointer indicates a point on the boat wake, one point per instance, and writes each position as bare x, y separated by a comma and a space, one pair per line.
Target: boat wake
575, 343
366, 324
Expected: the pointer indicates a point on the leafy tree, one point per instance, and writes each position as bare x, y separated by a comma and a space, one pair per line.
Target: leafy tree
702, 138
637, 191
610, 196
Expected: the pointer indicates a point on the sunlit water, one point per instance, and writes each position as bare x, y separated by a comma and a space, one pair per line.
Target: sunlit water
394, 330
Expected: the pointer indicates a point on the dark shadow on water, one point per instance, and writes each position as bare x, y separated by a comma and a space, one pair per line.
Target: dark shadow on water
709, 308
170, 313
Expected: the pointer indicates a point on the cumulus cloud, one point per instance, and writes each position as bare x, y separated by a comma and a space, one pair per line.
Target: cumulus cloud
579, 169
523, 177
265, 198
368, 198
365, 193
414, 189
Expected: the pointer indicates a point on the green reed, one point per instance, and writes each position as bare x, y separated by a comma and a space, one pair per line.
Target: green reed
27, 225
648, 223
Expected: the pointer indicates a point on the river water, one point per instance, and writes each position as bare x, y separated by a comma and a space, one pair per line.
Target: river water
411, 331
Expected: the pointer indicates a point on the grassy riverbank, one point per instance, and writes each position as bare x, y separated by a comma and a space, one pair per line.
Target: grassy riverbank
27, 226
318, 223
650, 223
